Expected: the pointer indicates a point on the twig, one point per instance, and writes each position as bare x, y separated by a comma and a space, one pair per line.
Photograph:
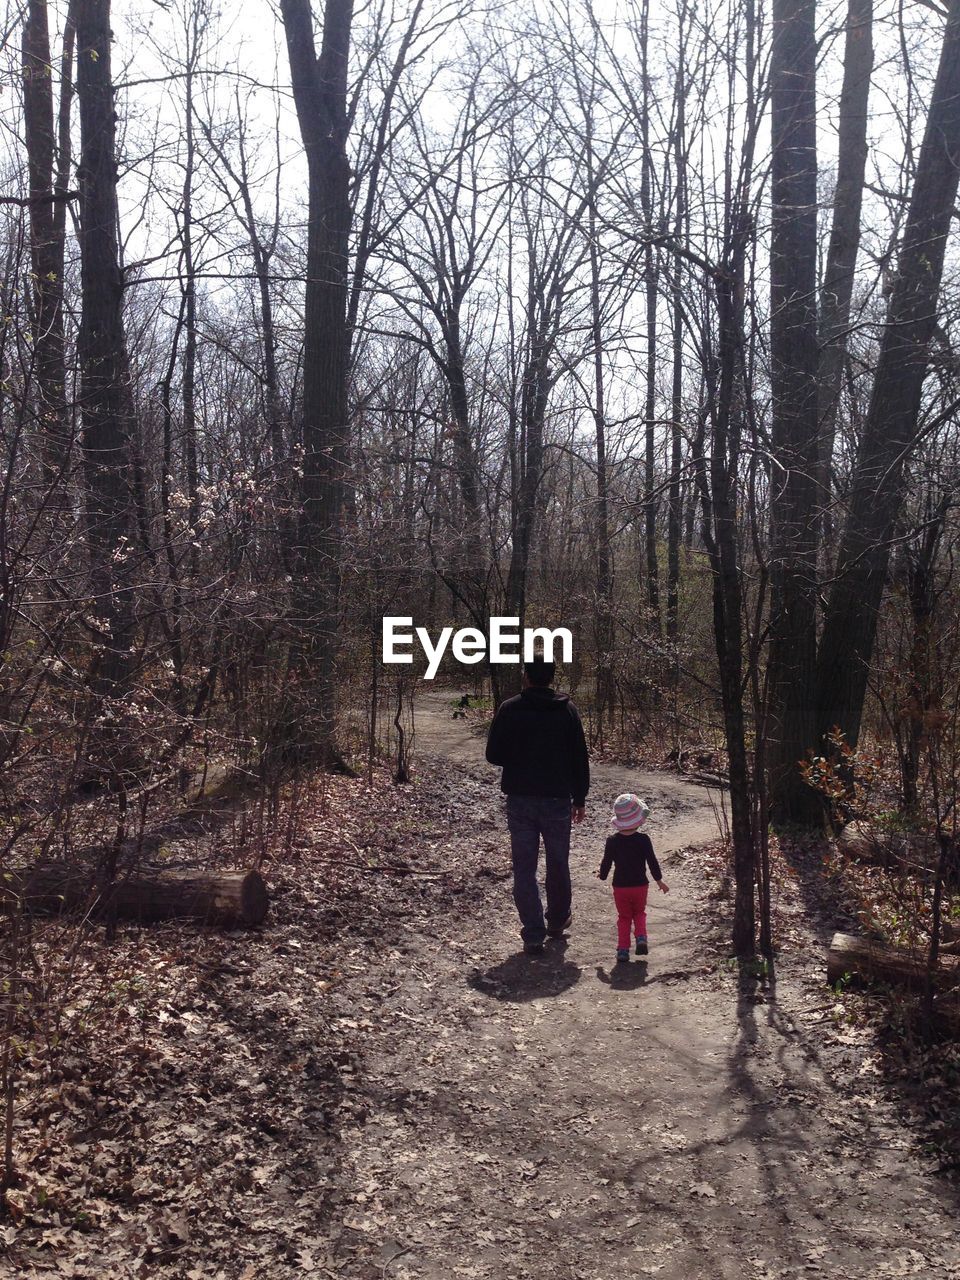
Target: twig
390, 1261
55, 197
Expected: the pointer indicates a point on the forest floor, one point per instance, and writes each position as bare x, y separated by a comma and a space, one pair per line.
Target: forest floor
379, 1085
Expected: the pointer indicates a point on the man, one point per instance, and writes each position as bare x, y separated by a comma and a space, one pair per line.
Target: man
537, 738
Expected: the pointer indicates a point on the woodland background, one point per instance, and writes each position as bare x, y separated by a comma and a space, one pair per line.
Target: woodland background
635, 319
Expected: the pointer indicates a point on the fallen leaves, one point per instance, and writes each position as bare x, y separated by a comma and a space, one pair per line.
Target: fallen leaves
203, 1118
344, 1095
703, 1191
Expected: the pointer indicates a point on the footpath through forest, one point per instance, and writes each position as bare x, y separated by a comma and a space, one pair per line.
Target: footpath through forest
379, 1085
564, 1117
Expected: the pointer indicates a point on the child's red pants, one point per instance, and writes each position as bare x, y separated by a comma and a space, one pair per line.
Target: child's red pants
631, 910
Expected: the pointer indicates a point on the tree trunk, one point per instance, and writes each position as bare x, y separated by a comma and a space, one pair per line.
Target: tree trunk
466, 463
47, 207
674, 497
876, 492
604, 591
650, 281
725, 389
473, 569
105, 399
720, 536
716, 478
674, 491
189, 383
836, 290
650, 444
793, 346
923, 695
603, 614
533, 395
228, 899
320, 95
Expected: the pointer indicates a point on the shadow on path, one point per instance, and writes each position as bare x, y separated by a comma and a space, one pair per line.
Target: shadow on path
520, 977
624, 977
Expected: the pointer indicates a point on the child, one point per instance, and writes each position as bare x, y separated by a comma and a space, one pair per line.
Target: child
630, 853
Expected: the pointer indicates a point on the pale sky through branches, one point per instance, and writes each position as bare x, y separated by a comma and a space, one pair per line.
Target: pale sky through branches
242, 75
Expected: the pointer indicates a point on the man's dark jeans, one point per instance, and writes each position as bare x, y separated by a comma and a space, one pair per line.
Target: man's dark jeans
529, 818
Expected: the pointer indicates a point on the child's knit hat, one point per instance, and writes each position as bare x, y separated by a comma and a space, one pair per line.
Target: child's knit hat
629, 812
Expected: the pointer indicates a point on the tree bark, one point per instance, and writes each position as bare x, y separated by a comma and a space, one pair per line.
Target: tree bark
725, 388
650, 282
534, 394
105, 398
674, 495
189, 286
228, 899
674, 491
923, 693
716, 478
793, 346
320, 96
47, 211
603, 615
876, 962
877, 488
720, 537
836, 290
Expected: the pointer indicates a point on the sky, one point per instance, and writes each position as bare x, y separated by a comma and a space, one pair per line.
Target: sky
245, 69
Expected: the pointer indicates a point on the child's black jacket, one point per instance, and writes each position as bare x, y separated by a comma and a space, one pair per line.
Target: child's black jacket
629, 856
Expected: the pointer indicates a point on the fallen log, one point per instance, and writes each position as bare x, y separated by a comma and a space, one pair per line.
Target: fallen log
850, 956
228, 899
863, 843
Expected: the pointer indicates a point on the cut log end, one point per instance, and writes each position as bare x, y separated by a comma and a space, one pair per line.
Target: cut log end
254, 899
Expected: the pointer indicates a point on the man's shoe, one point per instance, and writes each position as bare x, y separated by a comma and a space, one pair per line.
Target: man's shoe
561, 929
623, 955
533, 948
642, 948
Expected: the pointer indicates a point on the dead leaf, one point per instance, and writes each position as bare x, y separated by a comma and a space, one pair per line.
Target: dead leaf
703, 1191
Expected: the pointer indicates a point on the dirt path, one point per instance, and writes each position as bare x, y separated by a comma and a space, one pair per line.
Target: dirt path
553, 1117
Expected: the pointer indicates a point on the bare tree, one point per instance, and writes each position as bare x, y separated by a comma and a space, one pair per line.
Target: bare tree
793, 353
47, 141
441, 251
549, 243
650, 272
877, 486
718, 467
320, 95
680, 230
836, 288
105, 398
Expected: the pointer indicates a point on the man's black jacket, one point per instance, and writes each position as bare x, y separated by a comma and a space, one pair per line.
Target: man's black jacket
538, 739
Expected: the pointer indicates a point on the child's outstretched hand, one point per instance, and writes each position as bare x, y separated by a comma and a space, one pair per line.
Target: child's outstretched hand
663, 886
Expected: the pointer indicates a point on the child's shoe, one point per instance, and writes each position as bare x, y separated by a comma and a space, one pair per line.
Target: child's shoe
642, 948
623, 955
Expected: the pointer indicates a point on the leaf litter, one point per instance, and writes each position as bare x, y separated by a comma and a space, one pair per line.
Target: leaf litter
362, 1089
